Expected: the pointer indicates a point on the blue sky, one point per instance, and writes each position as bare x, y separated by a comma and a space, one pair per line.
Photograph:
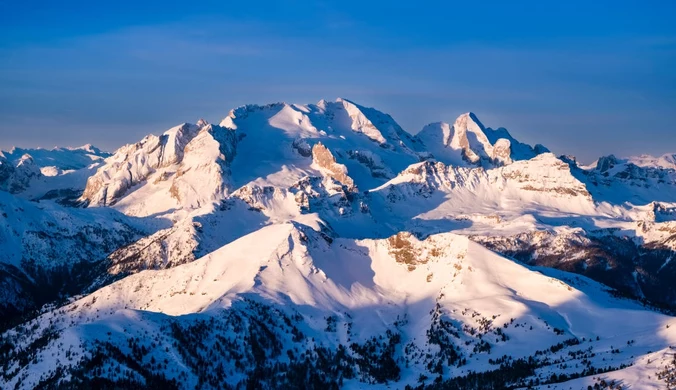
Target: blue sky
583, 79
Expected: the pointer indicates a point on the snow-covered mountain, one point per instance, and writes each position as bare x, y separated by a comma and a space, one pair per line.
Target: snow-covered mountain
58, 173
305, 246
63, 159
667, 161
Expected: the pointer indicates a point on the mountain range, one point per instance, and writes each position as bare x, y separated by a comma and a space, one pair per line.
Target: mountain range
322, 245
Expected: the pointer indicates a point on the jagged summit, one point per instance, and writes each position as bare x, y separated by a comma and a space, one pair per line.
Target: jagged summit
471, 118
274, 144
187, 166
606, 163
469, 142
340, 100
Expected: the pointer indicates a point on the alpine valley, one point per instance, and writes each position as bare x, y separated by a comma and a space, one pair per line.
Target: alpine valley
323, 246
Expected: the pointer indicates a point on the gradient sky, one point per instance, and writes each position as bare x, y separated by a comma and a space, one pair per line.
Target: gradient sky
587, 78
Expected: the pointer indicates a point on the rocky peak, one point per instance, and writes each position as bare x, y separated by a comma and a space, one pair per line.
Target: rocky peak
154, 160
469, 143
606, 163
465, 143
470, 138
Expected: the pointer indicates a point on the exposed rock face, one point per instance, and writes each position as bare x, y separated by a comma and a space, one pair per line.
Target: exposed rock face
373, 162
193, 160
302, 147
606, 163
406, 248
202, 174
546, 173
502, 152
323, 158
134, 163
469, 136
663, 212
259, 198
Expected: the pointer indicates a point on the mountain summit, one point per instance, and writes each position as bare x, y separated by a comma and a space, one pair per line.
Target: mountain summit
469, 142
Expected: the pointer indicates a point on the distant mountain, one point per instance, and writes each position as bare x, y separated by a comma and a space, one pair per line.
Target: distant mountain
321, 245
63, 159
34, 172
666, 161
468, 142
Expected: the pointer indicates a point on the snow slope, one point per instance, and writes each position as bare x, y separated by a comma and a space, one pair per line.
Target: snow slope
411, 286
50, 252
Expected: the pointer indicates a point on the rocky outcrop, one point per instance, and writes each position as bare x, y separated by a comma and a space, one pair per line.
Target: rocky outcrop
326, 162
502, 151
371, 161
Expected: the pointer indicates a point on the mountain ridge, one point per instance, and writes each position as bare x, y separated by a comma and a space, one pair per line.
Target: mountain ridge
322, 245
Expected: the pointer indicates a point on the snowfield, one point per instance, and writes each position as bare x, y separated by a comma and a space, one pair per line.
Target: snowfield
321, 245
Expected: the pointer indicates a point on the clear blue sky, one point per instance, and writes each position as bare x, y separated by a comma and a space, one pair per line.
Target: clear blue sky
583, 77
